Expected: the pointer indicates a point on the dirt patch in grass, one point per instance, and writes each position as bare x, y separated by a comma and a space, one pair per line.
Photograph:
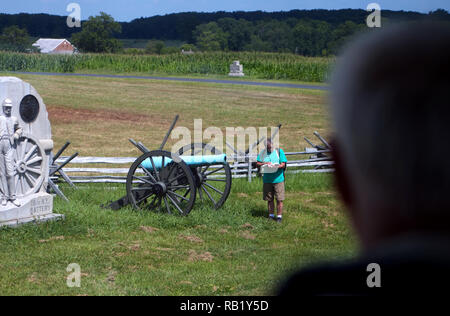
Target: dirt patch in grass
191, 238
247, 235
195, 256
247, 226
149, 229
62, 114
51, 239
32, 278
135, 247
163, 249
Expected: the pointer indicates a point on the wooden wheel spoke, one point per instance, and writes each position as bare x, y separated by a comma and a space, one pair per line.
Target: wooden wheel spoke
177, 177
206, 168
151, 205
209, 195
143, 179
172, 167
149, 174
211, 172
215, 189
141, 189
167, 205
177, 187
176, 194
200, 194
174, 203
154, 168
214, 179
160, 203
144, 198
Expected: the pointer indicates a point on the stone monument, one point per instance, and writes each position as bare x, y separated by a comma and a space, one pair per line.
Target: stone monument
236, 69
25, 148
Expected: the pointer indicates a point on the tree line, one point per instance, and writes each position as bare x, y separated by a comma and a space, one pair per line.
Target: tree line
304, 32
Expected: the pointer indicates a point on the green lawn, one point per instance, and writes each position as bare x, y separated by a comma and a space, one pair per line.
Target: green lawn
233, 251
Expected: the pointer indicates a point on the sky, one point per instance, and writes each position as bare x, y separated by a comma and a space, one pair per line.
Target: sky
127, 10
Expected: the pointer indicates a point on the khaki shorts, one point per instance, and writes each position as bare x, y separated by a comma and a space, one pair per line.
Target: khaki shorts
271, 189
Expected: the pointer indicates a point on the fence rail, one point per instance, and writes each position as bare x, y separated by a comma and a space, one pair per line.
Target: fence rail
318, 162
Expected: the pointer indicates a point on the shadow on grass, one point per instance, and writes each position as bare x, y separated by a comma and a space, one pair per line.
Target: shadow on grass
258, 211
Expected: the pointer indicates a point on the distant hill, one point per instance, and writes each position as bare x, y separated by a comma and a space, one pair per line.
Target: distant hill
179, 26
39, 25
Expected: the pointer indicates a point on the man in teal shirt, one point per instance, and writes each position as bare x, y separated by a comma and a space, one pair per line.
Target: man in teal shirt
272, 164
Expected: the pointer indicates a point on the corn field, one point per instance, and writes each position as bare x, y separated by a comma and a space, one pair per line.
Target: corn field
256, 65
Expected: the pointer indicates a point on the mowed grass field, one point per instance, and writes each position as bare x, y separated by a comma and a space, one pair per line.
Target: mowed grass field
233, 251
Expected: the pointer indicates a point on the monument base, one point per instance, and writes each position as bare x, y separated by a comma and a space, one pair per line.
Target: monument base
35, 208
241, 74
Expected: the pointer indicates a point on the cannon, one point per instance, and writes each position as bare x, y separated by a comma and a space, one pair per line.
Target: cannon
165, 181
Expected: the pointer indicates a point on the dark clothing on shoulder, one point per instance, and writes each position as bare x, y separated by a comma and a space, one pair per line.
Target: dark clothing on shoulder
411, 265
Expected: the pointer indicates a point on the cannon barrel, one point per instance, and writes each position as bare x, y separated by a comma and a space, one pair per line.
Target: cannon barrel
192, 161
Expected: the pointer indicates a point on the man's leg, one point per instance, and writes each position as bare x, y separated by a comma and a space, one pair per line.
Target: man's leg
279, 208
4, 183
271, 207
268, 196
279, 195
10, 176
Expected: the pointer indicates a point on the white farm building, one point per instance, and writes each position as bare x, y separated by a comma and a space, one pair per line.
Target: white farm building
54, 46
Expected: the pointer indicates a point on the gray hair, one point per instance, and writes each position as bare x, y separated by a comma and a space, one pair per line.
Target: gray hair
391, 114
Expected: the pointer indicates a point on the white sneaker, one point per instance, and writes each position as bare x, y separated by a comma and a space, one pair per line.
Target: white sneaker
4, 202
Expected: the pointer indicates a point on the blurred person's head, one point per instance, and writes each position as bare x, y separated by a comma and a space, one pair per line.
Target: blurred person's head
391, 112
269, 145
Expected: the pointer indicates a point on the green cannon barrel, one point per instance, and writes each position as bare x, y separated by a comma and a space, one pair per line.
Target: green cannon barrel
193, 161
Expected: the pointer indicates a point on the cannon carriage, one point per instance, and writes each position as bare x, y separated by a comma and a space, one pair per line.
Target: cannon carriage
165, 181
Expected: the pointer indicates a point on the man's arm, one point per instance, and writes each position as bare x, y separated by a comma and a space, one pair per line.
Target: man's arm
283, 160
17, 129
259, 161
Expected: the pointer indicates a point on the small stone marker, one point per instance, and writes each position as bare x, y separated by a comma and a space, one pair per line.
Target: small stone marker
236, 69
25, 149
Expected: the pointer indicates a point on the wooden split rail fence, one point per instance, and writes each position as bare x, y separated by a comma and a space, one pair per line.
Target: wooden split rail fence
115, 169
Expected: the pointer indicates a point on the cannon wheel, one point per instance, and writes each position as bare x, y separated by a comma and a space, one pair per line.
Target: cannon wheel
170, 189
30, 166
213, 182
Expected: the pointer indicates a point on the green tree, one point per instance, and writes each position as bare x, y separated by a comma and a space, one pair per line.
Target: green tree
277, 34
210, 37
237, 32
97, 35
14, 38
256, 44
155, 47
311, 38
342, 34
188, 47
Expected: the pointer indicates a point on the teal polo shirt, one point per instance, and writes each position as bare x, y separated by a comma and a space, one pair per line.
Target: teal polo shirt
274, 177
